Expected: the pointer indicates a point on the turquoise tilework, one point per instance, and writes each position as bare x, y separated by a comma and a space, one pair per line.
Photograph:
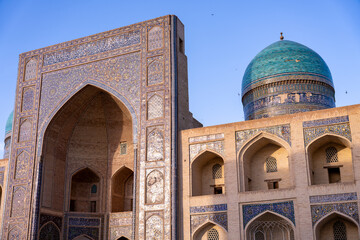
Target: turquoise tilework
284, 57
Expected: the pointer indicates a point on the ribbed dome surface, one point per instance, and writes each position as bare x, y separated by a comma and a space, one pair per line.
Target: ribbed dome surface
282, 58
8, 126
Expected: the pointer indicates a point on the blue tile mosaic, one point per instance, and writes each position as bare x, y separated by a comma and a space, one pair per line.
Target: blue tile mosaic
350, 209
285, 209
342, 129
91, 48
282, 131
94, 222
209, 208
333, 197
326, 121
218, 218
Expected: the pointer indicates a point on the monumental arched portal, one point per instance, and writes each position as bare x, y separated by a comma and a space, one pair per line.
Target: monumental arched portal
95, 122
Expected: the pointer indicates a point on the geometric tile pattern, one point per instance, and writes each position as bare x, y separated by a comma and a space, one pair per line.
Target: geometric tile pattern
209, 208
155, 107
22, 163
333, 197
218, 218
285, 209
49, 232
348, 208
342, 129
77, 231
282, 131
44, 218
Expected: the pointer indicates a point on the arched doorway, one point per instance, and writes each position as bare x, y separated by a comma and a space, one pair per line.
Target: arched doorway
270, 226
86, 141
330, 160
208, 174
336, 226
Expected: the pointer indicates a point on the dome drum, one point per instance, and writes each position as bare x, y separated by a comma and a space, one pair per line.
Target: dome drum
284, 78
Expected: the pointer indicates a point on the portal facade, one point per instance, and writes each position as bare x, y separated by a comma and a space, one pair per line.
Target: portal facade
94, 136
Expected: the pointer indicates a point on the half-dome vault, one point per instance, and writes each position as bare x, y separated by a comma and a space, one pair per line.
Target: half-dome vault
286, 77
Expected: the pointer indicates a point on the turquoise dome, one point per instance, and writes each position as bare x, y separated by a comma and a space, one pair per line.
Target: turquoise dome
282, 58
9, 123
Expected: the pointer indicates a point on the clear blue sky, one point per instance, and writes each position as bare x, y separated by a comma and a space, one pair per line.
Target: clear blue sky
221, 39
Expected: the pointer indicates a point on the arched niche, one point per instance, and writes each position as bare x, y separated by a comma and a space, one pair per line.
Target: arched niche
210, 231
83, 237
265, 164
330, 160
271, 226
336, 226
204, 179
92, 129
122, 183
122, 238
49, 231
83, 197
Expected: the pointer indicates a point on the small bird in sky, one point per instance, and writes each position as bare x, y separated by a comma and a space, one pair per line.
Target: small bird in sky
345, 92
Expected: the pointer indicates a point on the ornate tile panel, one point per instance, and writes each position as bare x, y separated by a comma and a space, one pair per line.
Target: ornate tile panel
28, 99
49, 231
195, 149
91, 48
199, 219
155, 38
121, 73
285, 209
155, 106
31, 69
349, 208
89, 222
205, 138
155, 186
25, 129
155, 70
209, 208
18, 201
15, 233
282, 131
154, 226
155, 144
326, 121
333, 197
123, 231
2, 178
22, 164
342, 129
